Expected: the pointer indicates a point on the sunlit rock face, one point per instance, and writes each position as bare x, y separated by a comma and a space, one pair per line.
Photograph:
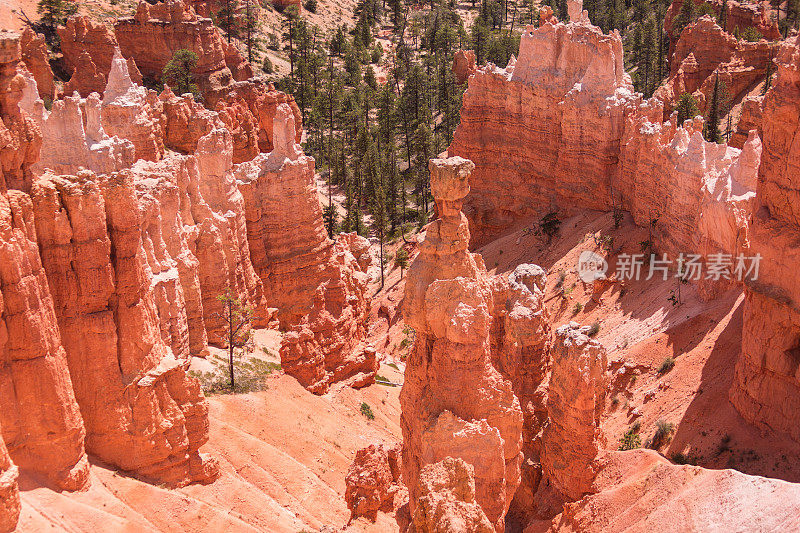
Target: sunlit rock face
766, 390
455, 401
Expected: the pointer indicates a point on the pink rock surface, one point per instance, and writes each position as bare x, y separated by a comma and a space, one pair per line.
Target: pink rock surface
449, 301
157, 31
766, 390
703, 54
35, 56
373, 480
20, 138
576, 401
318, 286
464, 65
447, 500
9, 491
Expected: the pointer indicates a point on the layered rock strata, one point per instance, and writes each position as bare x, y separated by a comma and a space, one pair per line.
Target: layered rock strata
704, 54
455, 402
142, 412
156, 32
766, 389
317, 285
447, 499
598, 146
35, 57
740, 15
373, 481
20, 138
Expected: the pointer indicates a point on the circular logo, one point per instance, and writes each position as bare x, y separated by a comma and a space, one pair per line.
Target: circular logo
591, 266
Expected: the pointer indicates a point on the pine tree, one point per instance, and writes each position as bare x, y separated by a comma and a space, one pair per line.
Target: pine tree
178, 73
711, 129
722, 20
686, 108
53, 13
226, 19
768, 75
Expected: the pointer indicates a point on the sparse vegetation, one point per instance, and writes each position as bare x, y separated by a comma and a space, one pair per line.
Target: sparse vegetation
178, 73
366, 410
631, 439
250, 376
549, 225
577, 308
662, 435
594, 329
666, 365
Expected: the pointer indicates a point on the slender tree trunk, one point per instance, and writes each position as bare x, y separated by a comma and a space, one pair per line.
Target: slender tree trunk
231, 326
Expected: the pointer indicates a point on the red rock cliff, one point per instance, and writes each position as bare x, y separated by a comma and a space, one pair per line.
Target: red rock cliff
766, 389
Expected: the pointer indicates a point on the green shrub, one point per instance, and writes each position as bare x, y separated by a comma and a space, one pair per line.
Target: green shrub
631, 439
666, 365
594, 329
663, 432
250, 375
577, 308
366, 410
310, 6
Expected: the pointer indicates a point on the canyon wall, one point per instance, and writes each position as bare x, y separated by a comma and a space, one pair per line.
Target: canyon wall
705, 53
113, 253
562, 131
156, 32
568, 87
741, 15
576, 401
766, 389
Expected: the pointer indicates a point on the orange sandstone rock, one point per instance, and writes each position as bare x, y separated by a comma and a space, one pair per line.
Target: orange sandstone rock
132, 112
454, 401
41, 423
766, 389
463, 65
373, 481
705, 53
20, 138
9, 491
318, 286
35, 57
576, 400
157, 31
447, 501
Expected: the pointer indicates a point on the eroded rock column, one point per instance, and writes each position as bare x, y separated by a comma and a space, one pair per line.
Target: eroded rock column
455, 403
576, 400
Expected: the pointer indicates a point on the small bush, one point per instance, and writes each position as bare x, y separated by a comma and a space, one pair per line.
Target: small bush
594, 329
377, 52
366, 410
577, 308
681, 458
666, 365
631, 439
662, 435
751, 34
310, 6
393, 365
550, 224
